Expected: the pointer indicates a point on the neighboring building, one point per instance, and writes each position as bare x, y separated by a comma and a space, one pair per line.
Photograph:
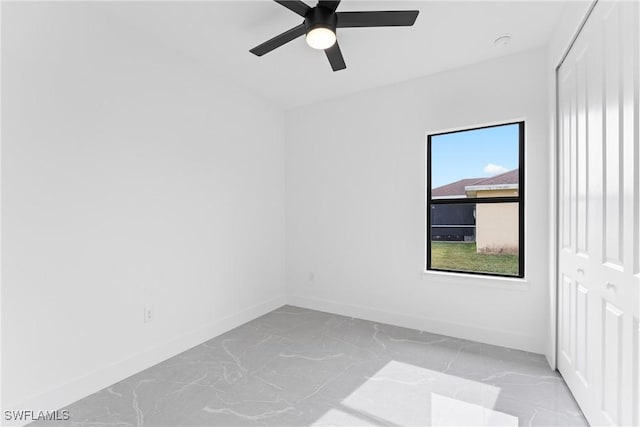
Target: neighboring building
496, 223
494, 227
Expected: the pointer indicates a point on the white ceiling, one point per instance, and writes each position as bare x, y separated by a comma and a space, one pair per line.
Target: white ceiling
447, 34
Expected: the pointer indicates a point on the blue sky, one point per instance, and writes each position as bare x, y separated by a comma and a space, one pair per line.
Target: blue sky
474, 153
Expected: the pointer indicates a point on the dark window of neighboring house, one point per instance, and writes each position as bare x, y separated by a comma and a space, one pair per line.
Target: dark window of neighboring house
475, 201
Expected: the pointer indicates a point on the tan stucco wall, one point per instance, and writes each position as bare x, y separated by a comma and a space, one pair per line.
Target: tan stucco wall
497, 227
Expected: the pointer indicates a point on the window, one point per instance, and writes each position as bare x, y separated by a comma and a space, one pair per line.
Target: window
475, 201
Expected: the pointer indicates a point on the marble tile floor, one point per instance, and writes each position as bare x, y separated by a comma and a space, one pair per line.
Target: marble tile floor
299, 367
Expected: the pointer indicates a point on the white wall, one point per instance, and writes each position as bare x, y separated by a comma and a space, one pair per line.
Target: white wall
130, 178
567, 27
355, 175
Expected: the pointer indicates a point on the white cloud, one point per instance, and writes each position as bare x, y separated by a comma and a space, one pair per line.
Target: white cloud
492, 169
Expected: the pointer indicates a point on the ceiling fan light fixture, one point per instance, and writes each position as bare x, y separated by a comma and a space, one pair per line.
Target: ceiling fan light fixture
321, 38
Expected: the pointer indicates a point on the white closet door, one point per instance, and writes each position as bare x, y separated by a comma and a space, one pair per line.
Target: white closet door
599, 230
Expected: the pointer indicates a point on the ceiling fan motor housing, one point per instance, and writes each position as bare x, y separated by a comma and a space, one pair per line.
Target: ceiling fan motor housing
320, 17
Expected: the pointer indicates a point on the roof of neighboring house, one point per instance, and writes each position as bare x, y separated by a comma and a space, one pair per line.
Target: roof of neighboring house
511, 177
454, 189
457, 189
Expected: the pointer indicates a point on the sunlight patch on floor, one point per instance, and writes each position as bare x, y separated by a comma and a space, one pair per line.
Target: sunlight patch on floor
404, 394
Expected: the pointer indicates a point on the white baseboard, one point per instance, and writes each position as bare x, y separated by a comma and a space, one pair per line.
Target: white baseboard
85, 385
502, 338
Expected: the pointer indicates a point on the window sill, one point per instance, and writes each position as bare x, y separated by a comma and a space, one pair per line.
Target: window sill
509, 283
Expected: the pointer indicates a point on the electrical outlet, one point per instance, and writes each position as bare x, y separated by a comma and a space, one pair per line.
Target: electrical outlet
148, 315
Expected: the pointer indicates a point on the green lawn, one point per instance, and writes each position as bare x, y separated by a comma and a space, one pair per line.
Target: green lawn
463, 256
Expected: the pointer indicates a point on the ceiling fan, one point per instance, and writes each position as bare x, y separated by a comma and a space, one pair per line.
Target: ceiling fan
320, 24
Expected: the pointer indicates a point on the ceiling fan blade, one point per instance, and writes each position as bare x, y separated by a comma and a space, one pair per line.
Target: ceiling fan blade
334, 55
377, 19
333, 5
279, 40
294, 5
